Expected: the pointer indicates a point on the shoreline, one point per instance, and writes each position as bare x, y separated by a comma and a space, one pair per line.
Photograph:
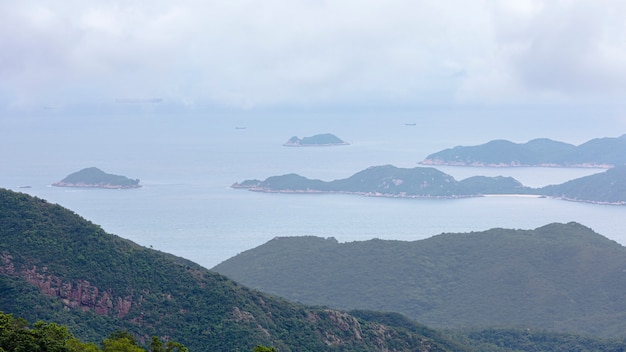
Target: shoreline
91, 185
430, 162
364, 194
315, 145
406, 196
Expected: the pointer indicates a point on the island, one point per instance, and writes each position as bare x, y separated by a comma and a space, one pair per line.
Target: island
93, 177
607, 187
543, 152
391, 181
318, 140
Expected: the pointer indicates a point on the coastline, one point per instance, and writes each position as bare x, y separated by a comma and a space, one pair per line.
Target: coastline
407, 196
364, 194
91, 185
435, 162
297, 145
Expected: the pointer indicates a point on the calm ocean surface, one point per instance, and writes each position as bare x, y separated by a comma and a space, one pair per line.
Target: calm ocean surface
186, 167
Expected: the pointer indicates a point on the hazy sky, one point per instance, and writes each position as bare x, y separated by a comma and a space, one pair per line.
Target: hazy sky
310, 53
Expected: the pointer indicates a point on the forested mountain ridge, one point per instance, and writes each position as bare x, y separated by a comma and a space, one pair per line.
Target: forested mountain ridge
599, 152
56, 266
562, 277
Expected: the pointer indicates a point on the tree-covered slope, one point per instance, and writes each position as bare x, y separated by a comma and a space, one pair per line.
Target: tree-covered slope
600, 152
56, 266
562, 277
388, 180
605, 187
533, 340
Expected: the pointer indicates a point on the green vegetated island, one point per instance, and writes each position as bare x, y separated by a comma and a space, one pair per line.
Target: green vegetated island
608, 187
86, 284
599, 152
318, 140
560, 277
93, 177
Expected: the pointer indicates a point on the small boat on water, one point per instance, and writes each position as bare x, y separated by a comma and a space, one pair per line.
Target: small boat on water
410, 124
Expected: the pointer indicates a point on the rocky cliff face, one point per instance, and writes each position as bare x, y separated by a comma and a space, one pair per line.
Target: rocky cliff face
78, 294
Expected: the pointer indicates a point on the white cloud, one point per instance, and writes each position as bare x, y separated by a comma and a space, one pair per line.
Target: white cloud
312, 52
556, 51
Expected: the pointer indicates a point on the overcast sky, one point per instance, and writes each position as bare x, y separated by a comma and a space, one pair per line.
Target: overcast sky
309, 53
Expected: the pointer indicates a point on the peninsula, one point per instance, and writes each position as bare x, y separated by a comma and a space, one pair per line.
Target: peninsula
599, 152
93, 177
318, 140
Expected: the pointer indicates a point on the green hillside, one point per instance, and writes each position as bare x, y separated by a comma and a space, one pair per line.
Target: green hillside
605, 187
56, 266
562, 277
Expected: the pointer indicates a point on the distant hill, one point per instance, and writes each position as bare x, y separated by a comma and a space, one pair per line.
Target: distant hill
607, 187
56, 266
93, 177
562, 277
600, 152
390, 181
318, 140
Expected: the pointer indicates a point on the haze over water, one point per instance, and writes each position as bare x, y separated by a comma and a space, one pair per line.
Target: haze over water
186, 165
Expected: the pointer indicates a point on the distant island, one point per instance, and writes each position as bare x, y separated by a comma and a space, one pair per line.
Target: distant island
93, 177
391, 181
599, 152
318, 140
608, 187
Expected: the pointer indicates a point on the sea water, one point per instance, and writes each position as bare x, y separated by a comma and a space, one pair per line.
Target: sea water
186, 165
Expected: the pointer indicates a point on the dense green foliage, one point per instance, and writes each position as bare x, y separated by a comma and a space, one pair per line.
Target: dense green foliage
533, 340
16, 335
562, 277
94, 177
56, 266
388, 180
325, 139
538, 152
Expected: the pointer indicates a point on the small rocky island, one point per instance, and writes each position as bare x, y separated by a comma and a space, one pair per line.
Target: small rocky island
93, 177
318, 140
